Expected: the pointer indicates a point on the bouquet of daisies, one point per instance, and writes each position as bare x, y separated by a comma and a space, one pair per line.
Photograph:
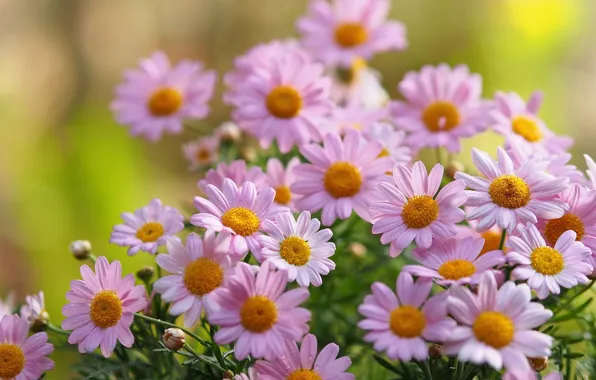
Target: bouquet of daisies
318, 246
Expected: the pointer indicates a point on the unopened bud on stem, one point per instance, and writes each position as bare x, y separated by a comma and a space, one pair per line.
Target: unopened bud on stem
80, 249
145, 273
452, 168
538, 364
174, 339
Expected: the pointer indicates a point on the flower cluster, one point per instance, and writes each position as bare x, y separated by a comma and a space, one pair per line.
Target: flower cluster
263, 264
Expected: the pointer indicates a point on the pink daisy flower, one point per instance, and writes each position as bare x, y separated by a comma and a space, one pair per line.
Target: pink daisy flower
442, 106
340, 31
358, 85
393, 142
259, 57
157, 98
581, 218
402, 324
556, 165
531, 375
237, 172
288, 101
591, 172
492, 236
298, 247
22, 357
546, 268
201, 152
34, 308
240, 211
198, 272
306, 363
280, 179
257, 315
455, 261
518, 120
147, 228
414, 209
355, 117
506, 196
496, 325
102, 307
252, 375
8, 305
343, 175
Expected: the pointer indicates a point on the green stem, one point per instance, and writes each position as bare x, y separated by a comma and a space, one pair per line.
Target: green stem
425, 367
56, 330
188, 348
92, 258
168, 324
502, 242
216, 349
564, 306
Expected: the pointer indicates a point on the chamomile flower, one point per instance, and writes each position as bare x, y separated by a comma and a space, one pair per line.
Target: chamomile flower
201, 152
237, 171
280, 179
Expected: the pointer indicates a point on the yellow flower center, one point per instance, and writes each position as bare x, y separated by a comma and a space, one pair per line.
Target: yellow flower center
556, 227
202, 276
105, 309
384, 153
494, 328
509, 191
547, 260
441, 116
258, 314
295, 251
241, 220
304, 374
350, 34
284, 102
492, 240
282, 195
342, 179
456, 269
526, 128
164, 101
203, 155
150, 232
12, 360
407, 321
420, 211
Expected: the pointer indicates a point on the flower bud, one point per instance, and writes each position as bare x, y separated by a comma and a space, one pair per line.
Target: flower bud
228, 132
174, 339
248, 153
145, 273
538, 364
357, 249
228, 375
80, 249
435, 351
40, 322
454, 167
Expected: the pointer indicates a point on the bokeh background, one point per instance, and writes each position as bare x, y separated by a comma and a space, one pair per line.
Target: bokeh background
67, 170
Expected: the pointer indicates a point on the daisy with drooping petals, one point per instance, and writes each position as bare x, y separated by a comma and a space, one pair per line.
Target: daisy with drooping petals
340, 31
147, 228
496, 325
197, 272
298, 247
259, 57
288, 101
102, 307
442, 106
402, 324
240, 211
22, 357
7, 306
546, 268
34, 308
201, 152
156, 98
517, 120
591, 172
306, 363
392, 141
256, 313
281, 179
343, 175
506, 196
455, 261
237, 172
413, 208
358, 85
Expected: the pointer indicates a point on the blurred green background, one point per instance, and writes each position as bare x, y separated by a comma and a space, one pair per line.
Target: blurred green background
67, 170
